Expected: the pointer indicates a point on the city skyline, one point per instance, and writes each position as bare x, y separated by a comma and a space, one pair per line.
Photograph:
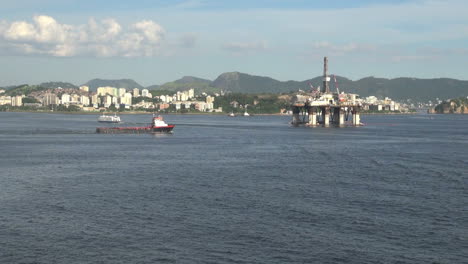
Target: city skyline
154, 42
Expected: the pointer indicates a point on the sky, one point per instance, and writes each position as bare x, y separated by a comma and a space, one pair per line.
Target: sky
158, 41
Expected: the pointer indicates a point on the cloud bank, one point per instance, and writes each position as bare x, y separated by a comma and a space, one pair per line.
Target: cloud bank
105, 38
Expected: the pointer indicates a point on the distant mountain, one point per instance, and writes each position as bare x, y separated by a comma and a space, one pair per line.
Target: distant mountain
409, 88
245, 83
185, 83
397, 89
53, 85
419, 90
122, 83
191, 79
153, 87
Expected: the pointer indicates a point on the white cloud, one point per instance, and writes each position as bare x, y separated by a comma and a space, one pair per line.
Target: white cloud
152, 31
106, 38
241, 47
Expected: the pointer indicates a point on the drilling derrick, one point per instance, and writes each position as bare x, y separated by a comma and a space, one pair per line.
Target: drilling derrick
326, 78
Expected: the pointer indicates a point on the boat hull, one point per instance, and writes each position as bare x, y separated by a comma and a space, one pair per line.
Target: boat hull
134, 130
102, 121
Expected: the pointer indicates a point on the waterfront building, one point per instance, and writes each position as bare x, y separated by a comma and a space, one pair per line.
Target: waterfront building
50, 99
126, 99
191, 93
210, 99
107, 90
107, 101
115, 100
84, 88
65, 99
145, 93
74, 99
200, 106
375, 107
17, 100
94, 99
122, 91
163, 106
5, 100
84, 100
136, 92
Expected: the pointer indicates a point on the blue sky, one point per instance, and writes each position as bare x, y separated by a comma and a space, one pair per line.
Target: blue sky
154, 42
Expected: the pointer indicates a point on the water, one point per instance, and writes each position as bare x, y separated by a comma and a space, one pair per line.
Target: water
233, 190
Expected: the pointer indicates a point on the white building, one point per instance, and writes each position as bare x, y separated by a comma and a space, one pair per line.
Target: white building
94, 99
136, 92
5, 100
74, 99
191, 93
122, 91
209, 99
145, 93
115, 101
84, 100
65, 99
50, 99
84, 88
107, 90
17, 100
126, 99
107, 100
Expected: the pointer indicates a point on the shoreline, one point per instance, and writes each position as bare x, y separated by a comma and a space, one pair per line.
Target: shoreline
201, 113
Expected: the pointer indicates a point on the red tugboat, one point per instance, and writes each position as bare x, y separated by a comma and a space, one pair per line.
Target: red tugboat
157, 126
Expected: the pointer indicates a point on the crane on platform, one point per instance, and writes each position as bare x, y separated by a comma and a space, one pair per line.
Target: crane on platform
336, 84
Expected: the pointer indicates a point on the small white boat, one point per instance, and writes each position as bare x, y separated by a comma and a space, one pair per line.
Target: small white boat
232, 114
246, 114
109, 119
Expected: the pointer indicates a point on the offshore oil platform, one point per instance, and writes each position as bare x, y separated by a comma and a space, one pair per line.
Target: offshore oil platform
320, 107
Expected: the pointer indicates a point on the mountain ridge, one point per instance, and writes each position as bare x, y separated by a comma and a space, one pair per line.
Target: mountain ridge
417, 89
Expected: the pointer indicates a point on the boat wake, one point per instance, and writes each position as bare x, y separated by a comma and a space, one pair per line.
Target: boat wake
46, 132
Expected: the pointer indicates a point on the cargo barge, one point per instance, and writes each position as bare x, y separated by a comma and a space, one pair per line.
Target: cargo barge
157, 126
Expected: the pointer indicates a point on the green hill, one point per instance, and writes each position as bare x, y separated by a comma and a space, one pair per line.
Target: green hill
185, 83
53, 85
191, 79
24, 89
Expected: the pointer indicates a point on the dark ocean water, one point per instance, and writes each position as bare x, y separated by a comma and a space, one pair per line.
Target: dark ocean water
234, 190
